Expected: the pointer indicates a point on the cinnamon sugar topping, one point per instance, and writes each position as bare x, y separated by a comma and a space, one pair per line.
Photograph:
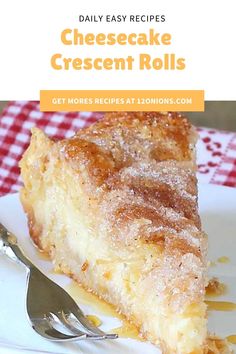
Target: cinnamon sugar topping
143, 171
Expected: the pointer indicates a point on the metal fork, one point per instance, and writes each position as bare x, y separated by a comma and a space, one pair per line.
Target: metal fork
48, 305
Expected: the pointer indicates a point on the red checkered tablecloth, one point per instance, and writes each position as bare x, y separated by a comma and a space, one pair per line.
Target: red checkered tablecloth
216, 149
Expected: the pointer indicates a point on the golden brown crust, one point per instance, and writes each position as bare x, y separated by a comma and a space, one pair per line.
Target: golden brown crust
150, 183
140, 168
137, 136
137, 173
99, 163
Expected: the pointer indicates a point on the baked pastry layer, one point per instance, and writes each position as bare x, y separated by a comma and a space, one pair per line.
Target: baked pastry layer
115, 206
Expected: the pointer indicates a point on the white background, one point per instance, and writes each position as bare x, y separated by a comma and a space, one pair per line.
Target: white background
203, 32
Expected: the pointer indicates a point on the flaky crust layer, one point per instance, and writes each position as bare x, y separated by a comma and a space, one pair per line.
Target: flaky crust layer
141, 166
137, 174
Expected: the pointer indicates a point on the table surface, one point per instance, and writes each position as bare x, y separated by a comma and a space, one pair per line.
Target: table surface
216, 149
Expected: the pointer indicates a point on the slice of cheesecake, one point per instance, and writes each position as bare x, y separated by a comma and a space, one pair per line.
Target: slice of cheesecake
115, 206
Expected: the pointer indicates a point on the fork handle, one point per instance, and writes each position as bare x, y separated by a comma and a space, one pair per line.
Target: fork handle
9, 247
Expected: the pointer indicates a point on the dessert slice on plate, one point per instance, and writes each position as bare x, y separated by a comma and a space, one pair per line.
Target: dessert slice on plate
115, 206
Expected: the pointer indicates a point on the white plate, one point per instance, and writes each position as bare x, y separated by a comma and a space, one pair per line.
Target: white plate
218, 212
